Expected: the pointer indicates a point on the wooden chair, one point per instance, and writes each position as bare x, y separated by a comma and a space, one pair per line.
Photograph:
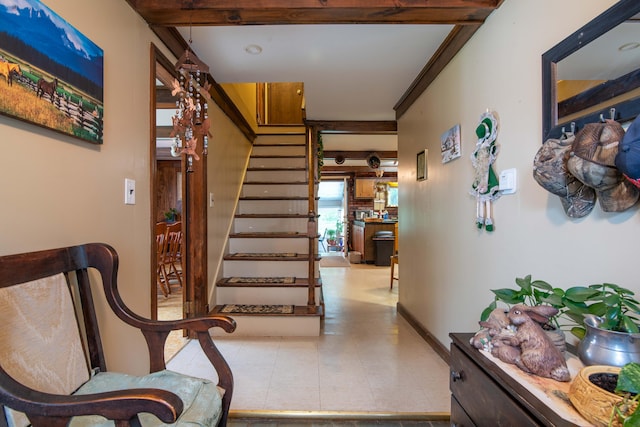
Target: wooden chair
171, 255
161, 240
394, 257
323, 239
52, 366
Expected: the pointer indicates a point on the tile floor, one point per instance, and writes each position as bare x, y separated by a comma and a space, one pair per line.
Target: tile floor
367, 360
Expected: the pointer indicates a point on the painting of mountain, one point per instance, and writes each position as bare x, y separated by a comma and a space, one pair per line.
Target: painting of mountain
44, 58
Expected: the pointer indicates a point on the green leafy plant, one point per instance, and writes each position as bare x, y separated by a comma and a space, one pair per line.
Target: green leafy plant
629, 387
171, 214
616, 305
331, 235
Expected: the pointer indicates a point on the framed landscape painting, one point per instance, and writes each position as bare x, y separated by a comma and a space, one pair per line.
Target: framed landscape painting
50, 73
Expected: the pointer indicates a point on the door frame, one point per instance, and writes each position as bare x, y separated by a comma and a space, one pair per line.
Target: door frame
194, 216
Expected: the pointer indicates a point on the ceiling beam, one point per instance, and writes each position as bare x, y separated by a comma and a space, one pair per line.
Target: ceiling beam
359, 155
280, 12
361, 127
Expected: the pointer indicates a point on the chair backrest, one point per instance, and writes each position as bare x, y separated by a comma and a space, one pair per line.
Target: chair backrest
173, 244
49, 339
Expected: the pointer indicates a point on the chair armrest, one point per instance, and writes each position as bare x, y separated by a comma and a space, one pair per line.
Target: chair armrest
113, 405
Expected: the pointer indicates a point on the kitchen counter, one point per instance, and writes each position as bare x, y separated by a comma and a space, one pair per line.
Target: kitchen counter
362, 223
362, 236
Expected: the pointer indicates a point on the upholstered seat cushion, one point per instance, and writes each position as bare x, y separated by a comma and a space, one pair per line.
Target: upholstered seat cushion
201, 398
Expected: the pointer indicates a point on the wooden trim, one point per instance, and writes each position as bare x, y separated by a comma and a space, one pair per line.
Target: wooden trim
359, 155
280, 12
154, 57
445, 53
354, 126
442, 351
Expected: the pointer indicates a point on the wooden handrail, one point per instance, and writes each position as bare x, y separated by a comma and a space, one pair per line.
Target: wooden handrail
312, 226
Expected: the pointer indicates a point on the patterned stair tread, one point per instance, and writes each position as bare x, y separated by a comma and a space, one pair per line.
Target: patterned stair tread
268, 234
267, 256
262, 282
258, 310
278, 156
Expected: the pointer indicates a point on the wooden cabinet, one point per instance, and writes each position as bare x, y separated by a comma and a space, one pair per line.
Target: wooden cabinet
364, 188
357, 236
482, 394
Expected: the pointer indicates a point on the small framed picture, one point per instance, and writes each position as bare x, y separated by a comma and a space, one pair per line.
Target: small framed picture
450, 144
421, 165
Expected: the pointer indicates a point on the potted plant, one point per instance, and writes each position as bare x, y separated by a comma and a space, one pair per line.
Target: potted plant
171, 215
607, 395
331, 237
611, 325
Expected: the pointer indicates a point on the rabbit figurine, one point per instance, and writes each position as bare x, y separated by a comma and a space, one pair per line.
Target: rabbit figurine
495, 323
538, 354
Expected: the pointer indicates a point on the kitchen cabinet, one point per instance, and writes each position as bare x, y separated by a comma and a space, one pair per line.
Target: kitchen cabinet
365, 188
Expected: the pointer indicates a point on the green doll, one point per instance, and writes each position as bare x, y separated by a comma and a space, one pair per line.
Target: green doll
485, 184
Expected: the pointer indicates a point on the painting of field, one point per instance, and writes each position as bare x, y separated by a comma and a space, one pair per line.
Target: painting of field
50, 74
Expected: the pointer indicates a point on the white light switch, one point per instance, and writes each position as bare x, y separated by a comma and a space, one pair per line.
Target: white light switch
129, 191
210, 200
507, 183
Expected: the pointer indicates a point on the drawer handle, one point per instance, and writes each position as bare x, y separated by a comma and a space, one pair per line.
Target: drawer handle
456, 376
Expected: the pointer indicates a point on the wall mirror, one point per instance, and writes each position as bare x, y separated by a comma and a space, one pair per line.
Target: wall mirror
594, 73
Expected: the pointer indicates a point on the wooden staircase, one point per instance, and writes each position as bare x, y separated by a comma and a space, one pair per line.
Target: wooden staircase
272, 256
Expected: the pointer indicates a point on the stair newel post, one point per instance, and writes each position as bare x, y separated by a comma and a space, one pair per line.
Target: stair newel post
312, 233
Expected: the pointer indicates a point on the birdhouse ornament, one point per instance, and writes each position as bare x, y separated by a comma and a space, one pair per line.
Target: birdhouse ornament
485, 183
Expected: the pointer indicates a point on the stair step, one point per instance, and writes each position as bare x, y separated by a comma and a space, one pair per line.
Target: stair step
268, 235
276, 169
275, 183
267, 257
275, 198
278, 156
272, 215
295, 144
298, 282
298, 310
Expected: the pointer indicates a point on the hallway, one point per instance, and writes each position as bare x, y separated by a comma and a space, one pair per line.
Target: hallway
368, 358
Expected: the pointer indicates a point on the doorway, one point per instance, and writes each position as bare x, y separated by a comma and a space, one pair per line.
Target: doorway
169, 293
332, 220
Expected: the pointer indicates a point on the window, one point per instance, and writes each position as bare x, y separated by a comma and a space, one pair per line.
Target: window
392, 194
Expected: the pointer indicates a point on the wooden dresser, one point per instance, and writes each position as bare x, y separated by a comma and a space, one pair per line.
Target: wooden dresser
482, 394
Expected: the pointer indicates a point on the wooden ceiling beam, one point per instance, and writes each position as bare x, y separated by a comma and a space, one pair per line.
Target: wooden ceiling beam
359, 155
280, 12
361, 127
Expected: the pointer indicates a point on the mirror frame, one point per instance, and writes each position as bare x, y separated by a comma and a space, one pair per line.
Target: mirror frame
624, 111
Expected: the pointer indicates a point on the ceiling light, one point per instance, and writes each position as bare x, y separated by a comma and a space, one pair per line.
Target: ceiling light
629, 46
253, 49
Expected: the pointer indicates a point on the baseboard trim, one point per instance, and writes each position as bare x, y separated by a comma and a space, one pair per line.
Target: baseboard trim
340, 415
442, 351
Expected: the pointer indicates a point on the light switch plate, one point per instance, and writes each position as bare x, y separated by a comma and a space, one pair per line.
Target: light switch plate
129, 191
508, 181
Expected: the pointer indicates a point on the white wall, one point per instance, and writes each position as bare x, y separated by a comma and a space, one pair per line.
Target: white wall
448, 265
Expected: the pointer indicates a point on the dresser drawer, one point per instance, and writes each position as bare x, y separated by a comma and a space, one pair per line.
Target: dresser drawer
459, 418
483, 401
